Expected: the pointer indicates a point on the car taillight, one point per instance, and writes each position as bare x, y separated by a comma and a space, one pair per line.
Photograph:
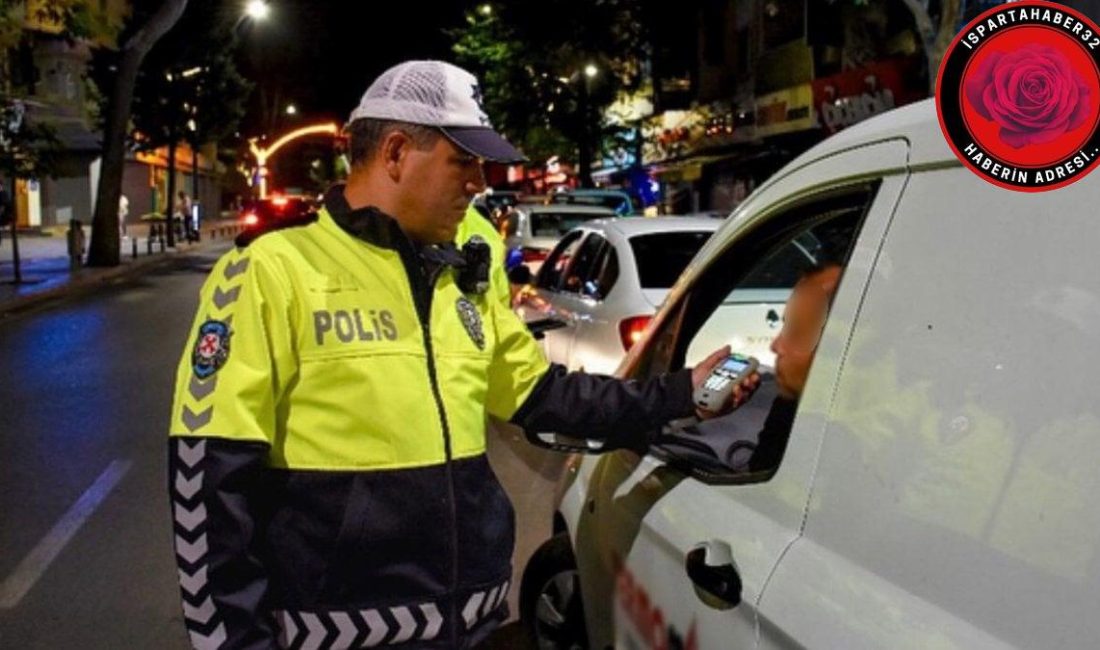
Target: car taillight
535, 254
630, 330
251, 219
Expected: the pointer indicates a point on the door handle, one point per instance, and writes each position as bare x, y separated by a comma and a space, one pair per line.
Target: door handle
710, 567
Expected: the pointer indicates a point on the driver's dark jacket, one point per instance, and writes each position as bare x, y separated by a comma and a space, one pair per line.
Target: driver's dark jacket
327, 464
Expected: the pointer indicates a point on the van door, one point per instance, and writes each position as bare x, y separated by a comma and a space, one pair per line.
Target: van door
675, 548
955, 504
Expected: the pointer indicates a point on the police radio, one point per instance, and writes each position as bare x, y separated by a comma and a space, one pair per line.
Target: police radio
474, 276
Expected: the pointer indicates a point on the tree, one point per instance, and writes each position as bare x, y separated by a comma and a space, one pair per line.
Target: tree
189, 91
936, 29
27, 150
219, 102
531, 59
28, 147
104, 248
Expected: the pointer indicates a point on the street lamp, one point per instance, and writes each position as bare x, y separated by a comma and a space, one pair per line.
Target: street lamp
291, 109
263, 154
257, 9
486, 9
583, 78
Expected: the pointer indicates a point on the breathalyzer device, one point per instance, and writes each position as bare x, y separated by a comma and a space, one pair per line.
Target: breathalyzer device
716, 389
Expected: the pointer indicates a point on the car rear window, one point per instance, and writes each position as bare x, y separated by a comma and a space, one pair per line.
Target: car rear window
556, 224
662, 257
620, 204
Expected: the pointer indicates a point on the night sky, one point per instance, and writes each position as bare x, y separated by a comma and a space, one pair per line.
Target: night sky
322, 54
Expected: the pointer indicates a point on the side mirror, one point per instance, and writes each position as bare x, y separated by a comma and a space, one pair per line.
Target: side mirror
540, 327
559, 442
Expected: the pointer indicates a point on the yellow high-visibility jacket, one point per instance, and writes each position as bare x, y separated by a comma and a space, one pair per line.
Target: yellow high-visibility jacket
327, 447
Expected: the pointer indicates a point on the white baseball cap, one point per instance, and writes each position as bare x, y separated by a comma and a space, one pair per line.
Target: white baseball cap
439, 94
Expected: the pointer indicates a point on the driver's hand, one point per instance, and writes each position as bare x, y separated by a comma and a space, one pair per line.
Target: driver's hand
740, 394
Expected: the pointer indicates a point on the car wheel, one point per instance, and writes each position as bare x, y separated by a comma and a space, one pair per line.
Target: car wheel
550, 598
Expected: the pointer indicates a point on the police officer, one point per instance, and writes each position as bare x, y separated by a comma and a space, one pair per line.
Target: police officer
327, 461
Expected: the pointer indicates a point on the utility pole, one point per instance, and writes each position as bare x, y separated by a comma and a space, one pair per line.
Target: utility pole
14, 123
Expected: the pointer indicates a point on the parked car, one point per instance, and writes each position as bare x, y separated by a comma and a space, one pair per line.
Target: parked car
617, 200
258, 213
489, 201
604, 281
535, 229
938, 486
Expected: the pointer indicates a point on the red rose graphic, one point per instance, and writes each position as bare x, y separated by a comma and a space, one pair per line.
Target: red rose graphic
1033, 93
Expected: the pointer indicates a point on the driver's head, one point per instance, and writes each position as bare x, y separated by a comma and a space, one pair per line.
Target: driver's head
803, 320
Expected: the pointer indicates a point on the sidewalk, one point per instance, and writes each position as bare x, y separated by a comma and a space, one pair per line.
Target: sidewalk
44, 262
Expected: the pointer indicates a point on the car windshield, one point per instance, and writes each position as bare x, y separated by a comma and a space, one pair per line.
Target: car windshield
662, 257
556, 224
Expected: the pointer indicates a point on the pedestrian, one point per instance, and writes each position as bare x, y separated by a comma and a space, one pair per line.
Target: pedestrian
327, 456
123, 211
75, 243
183, 209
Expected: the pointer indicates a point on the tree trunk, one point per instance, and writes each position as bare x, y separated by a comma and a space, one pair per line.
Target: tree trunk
170, 207
935, 40
13, 207
104, 248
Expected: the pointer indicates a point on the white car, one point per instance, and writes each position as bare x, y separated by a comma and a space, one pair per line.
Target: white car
605, 280
939, 486
535, 229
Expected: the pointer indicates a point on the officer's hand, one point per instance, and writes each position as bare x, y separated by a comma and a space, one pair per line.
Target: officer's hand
740, 394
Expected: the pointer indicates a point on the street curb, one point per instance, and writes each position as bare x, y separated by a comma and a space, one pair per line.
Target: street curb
91, 278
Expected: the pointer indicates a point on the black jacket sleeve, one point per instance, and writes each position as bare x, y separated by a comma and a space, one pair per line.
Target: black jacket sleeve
215, 488
621, 413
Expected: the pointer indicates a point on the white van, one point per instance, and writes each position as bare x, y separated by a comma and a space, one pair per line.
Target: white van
941, 483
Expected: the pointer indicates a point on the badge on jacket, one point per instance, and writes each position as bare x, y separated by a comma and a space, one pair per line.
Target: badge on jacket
211, 348
471, 320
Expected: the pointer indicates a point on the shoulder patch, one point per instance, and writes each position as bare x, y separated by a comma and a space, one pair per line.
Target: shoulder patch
471, 320
211, 348
250, 235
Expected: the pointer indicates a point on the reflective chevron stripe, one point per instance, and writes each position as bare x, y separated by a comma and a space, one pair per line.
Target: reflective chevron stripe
434, 621
406, 623
191, 455
192, 545
483, 603
195, 421
315, 632
346, 628
201, 614
193, 584
236, 268
288, 629
201, 389
211, 641
368, 628
223, 299
469, 612
188, 487
376, 625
